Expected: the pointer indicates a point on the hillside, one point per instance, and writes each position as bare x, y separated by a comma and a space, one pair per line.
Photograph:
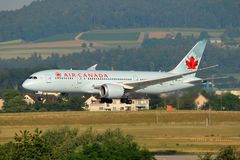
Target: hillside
50, 17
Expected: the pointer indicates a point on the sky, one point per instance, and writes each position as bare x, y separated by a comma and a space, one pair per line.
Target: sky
13, 4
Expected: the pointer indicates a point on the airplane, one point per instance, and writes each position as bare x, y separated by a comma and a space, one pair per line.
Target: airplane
120, 84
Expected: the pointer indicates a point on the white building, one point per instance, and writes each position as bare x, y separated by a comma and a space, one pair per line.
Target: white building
234, 92
216, 41
1, 104
93, 104
200, 101
29, 100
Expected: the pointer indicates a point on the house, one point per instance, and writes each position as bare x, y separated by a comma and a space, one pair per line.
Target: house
29, 100
200, 101
160, 35
216, 41
234, 92
93, 104
1, 104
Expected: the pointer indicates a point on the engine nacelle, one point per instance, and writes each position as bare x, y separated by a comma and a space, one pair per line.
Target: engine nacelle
111, 91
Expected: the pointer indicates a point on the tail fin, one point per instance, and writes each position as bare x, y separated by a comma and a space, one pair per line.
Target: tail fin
192, 60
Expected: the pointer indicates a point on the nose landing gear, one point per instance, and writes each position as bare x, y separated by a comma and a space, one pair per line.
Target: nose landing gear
126, 100
122, 100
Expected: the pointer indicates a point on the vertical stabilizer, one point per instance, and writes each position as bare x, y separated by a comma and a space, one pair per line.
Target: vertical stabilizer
192, 60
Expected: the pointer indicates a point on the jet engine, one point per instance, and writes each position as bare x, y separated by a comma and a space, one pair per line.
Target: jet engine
111, 91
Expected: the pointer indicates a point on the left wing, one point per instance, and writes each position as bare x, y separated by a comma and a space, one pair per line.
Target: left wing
92, 68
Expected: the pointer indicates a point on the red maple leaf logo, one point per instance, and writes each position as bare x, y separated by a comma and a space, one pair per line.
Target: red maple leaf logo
58, 75
191, 63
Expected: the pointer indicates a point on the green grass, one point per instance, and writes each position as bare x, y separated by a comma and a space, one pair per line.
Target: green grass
44, 52
17, 41
58, 37
183, 131
128, 36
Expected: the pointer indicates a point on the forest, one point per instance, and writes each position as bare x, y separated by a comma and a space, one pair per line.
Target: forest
30, 22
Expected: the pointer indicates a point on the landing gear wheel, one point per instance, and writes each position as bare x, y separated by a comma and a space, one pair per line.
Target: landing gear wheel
40, 98
106, 100
126, 100
129, 101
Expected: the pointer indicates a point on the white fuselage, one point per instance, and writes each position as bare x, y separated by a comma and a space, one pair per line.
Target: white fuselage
116, 84
86, 81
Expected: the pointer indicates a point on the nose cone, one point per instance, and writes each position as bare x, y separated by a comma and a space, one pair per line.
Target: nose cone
24, 85
27, 85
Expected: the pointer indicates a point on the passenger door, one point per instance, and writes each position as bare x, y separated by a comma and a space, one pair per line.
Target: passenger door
48, 78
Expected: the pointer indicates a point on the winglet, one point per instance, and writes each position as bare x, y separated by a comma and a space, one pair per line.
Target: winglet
92, 68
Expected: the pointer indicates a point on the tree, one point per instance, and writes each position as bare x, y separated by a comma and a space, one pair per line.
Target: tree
26, 146
230, 102
156, 102
83, 15
16, 104
63, 141
84, 45
13, 101
178, 37
226, 101
226, 153
206, 156
90, 44
75, 103
67, 144
232, 32
111, 145
203, 35
8, 94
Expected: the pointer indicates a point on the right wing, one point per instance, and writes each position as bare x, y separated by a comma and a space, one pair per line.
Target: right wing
145, 83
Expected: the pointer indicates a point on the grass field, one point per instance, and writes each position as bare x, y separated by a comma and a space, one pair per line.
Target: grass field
68, 43
184, 31
58, 37
132, 36
17, 41
183, 131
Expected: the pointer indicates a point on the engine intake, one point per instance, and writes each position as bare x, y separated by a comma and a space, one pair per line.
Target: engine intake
111, 91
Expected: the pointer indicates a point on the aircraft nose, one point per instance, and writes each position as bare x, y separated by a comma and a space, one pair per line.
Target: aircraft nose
26, 85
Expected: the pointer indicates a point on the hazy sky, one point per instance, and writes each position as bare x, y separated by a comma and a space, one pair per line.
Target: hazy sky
13, 4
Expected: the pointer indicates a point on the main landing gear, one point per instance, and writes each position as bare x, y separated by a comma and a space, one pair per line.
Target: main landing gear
106, 100
126, 100
123, 100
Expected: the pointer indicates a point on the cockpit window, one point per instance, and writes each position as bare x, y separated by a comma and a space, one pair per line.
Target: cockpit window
32, 77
